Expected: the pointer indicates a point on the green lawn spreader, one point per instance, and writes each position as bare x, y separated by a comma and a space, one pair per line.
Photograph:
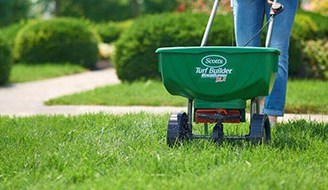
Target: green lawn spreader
217, 81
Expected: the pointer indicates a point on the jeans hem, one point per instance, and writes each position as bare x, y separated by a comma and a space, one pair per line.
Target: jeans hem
271, 112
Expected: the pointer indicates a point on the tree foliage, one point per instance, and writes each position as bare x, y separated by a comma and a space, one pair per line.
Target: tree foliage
100, 10
13, 11
105, 10
158, 6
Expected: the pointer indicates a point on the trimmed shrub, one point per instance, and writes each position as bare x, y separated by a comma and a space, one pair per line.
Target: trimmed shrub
316, 57
307, 26
9, 32
135, 57
5, 61
110, 31
304, 29
320, 21
57, 41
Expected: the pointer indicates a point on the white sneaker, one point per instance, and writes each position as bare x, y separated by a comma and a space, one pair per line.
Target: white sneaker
261, 104
273, 120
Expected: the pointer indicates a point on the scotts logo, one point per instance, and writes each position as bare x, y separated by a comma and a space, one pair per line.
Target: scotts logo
214, 61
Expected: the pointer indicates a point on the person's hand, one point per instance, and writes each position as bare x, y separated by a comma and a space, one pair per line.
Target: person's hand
270, 2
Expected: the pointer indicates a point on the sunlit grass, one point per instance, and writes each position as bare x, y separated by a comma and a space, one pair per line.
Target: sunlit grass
130, 152
33, 72
307, 96
150, 93
302, 96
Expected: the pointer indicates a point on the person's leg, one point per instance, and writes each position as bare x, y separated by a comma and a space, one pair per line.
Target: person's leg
275, 102
248, 15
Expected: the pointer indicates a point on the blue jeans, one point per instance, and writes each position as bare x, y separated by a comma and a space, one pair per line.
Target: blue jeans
249, 16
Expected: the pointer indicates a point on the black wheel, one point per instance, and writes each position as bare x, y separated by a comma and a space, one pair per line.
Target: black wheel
178, 129
260, 129
218, 134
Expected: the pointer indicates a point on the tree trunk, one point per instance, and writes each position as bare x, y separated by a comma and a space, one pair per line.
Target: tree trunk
300, 4
135, 8
57, 7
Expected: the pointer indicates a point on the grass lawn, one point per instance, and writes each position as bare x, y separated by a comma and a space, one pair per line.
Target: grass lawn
302, 96
150, 93
129, 152
25, 73
307, 96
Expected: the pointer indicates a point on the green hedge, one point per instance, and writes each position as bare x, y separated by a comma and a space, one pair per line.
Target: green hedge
316, 58
135, 58
307, 26
9, 32
57, 41
111, 31
5, 61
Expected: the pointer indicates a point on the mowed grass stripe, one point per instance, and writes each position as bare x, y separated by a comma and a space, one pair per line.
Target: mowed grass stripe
32, 72
150, 93
302, 96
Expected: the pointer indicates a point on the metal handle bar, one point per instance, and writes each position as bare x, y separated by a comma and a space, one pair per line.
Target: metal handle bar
209, 23
276, 8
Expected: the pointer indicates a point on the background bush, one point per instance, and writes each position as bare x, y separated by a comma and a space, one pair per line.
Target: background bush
307, 26
57, 40
110, 31
5, 61
9, 32
135, 58
316, 58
